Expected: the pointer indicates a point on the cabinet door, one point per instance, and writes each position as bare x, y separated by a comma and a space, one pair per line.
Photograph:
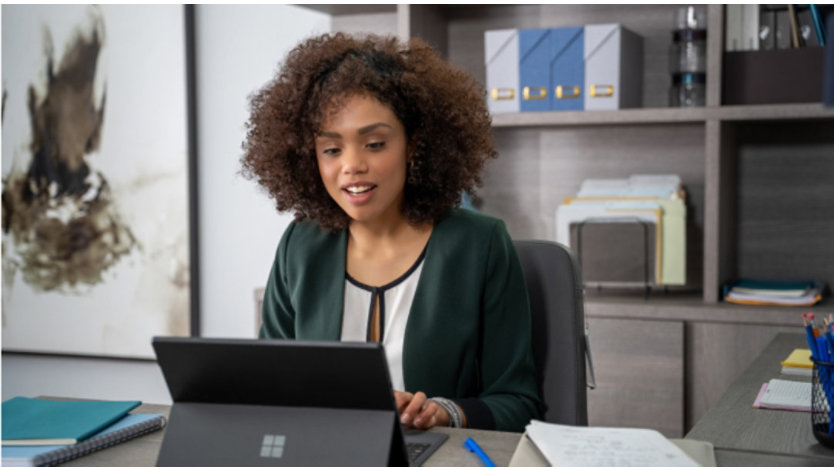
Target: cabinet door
717, 354
639, 374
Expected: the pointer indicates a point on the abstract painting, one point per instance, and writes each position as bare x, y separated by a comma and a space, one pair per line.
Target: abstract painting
95, 178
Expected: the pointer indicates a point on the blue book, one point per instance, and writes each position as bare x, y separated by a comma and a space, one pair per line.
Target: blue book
132, 425
32, 421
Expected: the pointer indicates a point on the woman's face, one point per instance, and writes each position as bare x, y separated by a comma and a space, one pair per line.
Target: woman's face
361, 154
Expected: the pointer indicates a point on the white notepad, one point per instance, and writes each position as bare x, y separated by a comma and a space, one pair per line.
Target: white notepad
787, 394
591, 446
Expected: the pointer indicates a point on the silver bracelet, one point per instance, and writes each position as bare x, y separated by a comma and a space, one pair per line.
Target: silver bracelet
455, 416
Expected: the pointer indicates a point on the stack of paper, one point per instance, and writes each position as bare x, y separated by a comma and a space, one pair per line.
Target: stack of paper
798, 363
784, 395
770, 292
657, 200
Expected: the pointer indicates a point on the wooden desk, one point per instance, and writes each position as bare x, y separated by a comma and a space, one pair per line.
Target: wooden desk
743, 435
142, 451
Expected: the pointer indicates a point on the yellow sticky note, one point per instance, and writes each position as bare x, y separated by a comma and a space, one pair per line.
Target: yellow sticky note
799, 358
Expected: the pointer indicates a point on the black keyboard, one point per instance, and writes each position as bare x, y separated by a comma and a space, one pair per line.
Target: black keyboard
414, 449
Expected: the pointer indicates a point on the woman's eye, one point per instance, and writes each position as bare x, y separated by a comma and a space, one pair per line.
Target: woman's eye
330, 151
376, 145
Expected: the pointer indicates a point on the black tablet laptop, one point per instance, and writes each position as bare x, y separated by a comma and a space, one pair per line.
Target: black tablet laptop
242, 402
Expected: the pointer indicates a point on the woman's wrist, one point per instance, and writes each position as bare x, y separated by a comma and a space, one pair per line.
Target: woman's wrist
457, 419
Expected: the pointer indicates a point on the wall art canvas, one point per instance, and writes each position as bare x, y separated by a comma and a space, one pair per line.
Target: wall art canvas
95, 178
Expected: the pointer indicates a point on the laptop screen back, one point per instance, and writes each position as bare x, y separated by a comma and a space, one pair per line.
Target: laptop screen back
275, 372
275, 403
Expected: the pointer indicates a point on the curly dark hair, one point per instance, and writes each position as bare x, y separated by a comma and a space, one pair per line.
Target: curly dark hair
441, 108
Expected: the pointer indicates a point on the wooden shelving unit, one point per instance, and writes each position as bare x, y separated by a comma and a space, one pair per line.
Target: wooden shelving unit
775, 112
755, 176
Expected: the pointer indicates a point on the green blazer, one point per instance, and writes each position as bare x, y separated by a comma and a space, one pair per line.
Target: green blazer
468, 331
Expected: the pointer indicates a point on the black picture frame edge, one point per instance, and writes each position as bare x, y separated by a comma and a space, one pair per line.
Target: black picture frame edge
193, 175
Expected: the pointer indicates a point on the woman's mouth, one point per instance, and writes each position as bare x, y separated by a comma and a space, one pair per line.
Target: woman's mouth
359, 193
359, 189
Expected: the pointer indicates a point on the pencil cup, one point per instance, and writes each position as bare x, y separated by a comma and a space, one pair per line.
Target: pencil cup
822, 396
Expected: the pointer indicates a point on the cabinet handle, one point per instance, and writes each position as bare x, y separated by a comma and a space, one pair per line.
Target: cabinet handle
541, 93
503, 94
602, 91
567, 92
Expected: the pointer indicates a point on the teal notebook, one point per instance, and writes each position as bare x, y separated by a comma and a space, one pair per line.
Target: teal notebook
132, 425
32, 421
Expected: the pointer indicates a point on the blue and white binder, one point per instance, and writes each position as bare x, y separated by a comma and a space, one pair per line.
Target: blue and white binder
501, 55
535, 54
567, 69
613, 67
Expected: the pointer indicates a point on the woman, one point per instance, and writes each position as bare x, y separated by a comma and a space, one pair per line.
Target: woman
371, 143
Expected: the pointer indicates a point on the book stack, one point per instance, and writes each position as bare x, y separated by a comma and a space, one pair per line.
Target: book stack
48, 432
798, 363
770, 292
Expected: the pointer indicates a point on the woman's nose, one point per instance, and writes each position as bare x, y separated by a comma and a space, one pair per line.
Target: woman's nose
353, 161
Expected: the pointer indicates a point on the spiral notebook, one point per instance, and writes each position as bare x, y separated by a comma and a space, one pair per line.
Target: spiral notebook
132, 425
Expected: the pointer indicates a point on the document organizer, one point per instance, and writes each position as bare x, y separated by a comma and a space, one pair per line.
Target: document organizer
615, 252
535, 53
613, 67
503, 94
567, 68
278, 403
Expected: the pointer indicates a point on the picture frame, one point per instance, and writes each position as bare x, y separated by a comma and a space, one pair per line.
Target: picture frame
100, 219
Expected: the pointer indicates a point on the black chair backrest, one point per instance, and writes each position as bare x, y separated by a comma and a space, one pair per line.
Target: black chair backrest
554, 284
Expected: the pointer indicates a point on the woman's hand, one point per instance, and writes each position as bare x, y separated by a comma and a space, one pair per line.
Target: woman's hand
417, 412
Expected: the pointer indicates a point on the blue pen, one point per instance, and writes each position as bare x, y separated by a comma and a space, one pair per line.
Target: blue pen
473, 446
822, 349
812, 342
829, 337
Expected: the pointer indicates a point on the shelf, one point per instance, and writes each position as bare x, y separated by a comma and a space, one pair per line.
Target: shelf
772, 112
690, 307
586, 118
351, 9
663, 115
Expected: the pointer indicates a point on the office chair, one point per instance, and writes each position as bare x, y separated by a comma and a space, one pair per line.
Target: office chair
554, 284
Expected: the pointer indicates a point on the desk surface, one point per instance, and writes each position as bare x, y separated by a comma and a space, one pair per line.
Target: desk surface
741, 432
742, 435
142, 451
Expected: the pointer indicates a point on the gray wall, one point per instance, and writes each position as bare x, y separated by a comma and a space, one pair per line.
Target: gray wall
238, 50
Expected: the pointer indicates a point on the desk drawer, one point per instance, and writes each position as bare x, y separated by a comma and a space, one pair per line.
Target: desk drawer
639, 369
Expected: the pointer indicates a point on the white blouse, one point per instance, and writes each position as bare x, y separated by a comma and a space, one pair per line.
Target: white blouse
395, 300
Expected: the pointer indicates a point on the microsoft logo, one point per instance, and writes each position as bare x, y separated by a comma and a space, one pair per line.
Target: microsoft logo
273, 446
